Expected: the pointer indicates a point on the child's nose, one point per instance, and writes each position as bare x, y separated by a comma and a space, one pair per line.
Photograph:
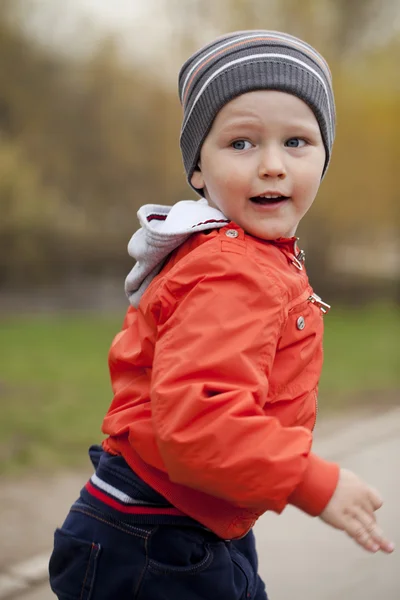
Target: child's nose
271, 164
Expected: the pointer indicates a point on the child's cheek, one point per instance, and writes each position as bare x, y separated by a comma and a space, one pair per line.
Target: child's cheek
231, 180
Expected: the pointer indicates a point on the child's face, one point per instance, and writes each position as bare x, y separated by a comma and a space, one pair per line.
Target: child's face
262, 143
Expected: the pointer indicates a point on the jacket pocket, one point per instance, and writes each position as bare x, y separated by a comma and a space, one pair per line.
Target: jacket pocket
72, 566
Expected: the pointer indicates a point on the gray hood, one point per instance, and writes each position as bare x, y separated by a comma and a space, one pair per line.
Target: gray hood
163, 229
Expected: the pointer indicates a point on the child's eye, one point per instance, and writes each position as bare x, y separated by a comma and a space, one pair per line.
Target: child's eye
295, 143
241, 145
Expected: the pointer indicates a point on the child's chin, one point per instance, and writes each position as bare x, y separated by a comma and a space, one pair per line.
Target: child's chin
268, 234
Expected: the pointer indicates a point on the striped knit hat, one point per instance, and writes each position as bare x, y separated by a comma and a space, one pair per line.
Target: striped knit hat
245, 61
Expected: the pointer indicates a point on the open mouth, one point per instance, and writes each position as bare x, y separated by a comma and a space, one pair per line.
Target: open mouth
269, 199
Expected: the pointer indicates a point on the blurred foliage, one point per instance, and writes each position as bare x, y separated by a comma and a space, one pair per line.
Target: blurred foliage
85, 141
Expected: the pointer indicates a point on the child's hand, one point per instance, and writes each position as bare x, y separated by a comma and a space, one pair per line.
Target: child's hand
351, 509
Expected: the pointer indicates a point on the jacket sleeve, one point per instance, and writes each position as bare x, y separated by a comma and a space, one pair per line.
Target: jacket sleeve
213, 356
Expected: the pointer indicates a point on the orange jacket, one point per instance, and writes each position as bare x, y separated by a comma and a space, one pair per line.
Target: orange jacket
215, 377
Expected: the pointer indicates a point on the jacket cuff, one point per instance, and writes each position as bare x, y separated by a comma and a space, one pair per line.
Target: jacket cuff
317, 486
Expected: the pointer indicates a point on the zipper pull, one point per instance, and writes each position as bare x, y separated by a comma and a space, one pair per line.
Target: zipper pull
297, 263
301, 256
323, 306
298, 259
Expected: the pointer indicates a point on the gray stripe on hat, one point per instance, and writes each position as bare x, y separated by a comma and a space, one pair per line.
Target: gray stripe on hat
256, 57
278, 38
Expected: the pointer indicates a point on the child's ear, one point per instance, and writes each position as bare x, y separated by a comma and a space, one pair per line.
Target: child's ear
197, 179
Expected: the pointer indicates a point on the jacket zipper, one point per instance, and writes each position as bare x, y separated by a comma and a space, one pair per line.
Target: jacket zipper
323, 306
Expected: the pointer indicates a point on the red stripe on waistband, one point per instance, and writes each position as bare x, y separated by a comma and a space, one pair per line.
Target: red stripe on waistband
135, 510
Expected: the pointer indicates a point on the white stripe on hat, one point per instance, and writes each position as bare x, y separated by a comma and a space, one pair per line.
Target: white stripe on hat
254, 57
275, 34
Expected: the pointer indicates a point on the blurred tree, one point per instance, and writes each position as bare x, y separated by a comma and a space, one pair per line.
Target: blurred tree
357, 24
338, 27
28, 211
85, 141
95, 131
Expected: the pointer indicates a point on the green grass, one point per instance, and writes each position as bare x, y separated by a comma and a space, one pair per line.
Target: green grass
55, 389
362, 357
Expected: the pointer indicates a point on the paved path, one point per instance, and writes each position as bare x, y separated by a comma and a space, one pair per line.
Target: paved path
300, 557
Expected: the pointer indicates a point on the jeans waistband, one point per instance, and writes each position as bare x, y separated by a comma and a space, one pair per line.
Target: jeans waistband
118, 491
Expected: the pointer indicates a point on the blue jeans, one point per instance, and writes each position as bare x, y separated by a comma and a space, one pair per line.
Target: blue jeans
98, 557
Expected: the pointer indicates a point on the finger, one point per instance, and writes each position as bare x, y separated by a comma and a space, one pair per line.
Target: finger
356, 530
387, 546
375, 499
368, 534
367, 523
369, 506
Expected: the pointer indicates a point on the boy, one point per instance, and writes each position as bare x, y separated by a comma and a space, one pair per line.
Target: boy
215, 372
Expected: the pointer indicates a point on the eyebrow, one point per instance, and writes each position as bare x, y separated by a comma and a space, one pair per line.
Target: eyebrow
254, 122
236, 122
